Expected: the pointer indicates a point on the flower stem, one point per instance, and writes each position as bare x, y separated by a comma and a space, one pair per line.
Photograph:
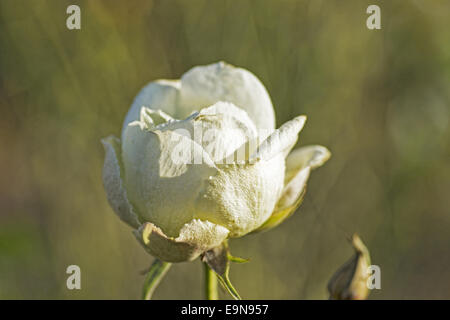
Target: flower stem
210, 283
156, 272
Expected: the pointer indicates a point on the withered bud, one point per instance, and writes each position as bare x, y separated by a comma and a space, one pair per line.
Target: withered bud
350, 281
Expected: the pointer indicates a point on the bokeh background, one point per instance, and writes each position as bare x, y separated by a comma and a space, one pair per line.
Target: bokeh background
378, 99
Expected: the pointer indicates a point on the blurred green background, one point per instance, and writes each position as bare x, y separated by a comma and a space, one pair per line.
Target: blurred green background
378, 99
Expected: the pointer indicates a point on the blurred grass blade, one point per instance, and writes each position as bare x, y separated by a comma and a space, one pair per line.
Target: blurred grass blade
154, 276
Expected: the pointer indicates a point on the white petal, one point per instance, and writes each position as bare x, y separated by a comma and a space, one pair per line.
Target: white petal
160, 94
195, 238
299, 164
309, 156
281, 140
242, 197
165, 173
204, 234
153, 118
203, 86
293, 189
112, 181
220, 129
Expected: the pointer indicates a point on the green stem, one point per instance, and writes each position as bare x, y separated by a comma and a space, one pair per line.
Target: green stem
210, 283
156, 272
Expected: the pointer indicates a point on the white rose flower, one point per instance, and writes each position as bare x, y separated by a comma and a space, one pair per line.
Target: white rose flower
222, 172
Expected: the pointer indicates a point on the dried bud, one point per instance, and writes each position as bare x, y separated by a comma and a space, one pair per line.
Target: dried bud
350, 281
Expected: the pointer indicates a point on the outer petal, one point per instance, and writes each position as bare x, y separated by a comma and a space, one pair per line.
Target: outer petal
242, 197
113, 184
293, 189
281, 140
195, 238
205, 85
160, 94
165, 173
309, 156
299, 164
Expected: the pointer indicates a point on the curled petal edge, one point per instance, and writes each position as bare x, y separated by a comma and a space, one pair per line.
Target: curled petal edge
185, 247
312, 156
281, 140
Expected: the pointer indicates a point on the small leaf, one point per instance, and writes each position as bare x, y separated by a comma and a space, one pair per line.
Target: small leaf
218, 259
154, 276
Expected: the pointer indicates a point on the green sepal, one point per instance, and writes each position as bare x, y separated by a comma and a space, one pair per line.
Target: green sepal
218, 259
237, 259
